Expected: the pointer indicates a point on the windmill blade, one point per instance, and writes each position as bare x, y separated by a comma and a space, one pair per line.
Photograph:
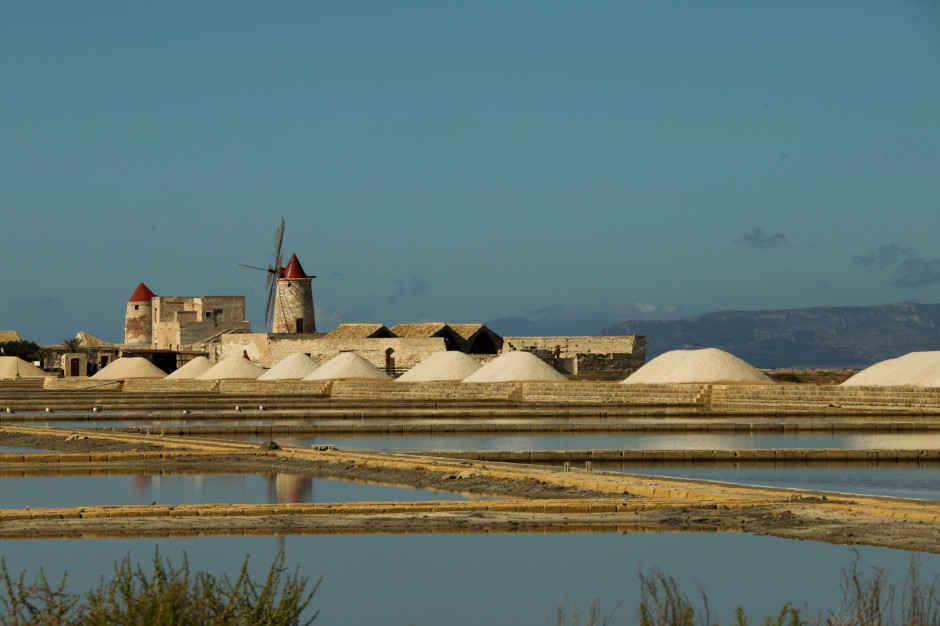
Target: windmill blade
278, 240
269, 307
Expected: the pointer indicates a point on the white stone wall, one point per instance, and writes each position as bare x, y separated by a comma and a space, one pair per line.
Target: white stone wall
268, 350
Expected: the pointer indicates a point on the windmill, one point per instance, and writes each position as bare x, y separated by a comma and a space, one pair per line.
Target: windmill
274, 272
290, 298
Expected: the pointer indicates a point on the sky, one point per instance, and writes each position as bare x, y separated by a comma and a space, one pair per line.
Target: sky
571, 163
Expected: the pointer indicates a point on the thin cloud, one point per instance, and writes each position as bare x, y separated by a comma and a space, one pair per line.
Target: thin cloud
910, 269
760, 240
883, 257
915, 271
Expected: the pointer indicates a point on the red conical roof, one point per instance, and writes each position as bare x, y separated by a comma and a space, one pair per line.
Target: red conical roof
293, 269
142, 294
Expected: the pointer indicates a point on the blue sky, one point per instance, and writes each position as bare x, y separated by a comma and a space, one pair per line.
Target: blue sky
579, 163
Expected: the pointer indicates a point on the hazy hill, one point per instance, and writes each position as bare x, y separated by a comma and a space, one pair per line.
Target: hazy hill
817, 337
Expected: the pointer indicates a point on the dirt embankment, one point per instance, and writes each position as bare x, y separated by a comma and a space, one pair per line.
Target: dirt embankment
513, 504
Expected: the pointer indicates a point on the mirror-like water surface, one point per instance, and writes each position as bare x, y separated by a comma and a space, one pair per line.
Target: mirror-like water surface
496, 578
75, 491
904, 481
612, 441
15, 450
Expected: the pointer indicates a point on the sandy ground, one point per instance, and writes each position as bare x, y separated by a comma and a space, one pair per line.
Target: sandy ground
811, 516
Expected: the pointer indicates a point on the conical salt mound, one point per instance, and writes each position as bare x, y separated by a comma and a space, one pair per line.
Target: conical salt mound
130, 367
346, 365
294, 367
709, 365
448, 365
232, 367
919, 369
192, 369
516, 366
15, 367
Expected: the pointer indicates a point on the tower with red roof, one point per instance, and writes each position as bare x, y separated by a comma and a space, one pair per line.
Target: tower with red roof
138, 323
293, 300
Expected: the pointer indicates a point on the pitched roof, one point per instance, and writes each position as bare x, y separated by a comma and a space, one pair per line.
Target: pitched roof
9, 335
92, 342
142, 294
359, 331
467, 330
294, 269
478, 339
427, 329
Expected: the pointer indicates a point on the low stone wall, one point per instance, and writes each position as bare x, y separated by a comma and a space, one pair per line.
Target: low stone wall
81, 382
269, 350
585, 357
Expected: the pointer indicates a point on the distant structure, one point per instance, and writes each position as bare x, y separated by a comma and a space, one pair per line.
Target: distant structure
293, 300
9, 335
170, 330
138, 323
403, 346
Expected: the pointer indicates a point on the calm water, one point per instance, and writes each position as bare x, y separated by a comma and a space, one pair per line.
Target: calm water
495, 578
904, 481
682, 441
74, 491
15, 450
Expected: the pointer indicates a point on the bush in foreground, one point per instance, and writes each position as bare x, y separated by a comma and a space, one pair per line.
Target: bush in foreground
167, 595
866, 601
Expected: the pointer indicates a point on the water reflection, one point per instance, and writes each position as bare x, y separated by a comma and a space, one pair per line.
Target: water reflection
902, 481
177, 489
612, 441
496, 578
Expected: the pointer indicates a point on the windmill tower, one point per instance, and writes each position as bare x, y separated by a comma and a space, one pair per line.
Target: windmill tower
290, 294
138, 323
293, 300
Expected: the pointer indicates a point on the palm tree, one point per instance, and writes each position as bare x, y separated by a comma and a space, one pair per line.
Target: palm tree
72, 345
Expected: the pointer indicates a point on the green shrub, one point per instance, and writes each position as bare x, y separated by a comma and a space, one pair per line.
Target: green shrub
167, 595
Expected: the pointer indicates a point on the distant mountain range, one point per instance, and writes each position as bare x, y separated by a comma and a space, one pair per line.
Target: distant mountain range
820, 337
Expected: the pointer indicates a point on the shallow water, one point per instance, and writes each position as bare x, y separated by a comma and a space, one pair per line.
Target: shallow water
495, 578
683, 441
75, 491
15, 450
901, 481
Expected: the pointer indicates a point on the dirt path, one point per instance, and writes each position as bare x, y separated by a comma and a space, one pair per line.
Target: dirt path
529, 498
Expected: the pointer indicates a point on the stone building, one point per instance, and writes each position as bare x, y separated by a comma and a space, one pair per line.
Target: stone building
174, 322
586, 357
293, 300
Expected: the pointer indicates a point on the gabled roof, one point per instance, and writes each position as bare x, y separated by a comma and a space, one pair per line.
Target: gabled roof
427, 329
478, 339
9, 335
294, 269
359, 331
467, 330
142, 294
92, 342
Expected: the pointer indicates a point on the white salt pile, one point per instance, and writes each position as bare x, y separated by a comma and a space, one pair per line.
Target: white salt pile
192, 369
130, 367
516, 366
15, 367
449, 365
709, 365
346, 365
293, 367
919, 369
235, 366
